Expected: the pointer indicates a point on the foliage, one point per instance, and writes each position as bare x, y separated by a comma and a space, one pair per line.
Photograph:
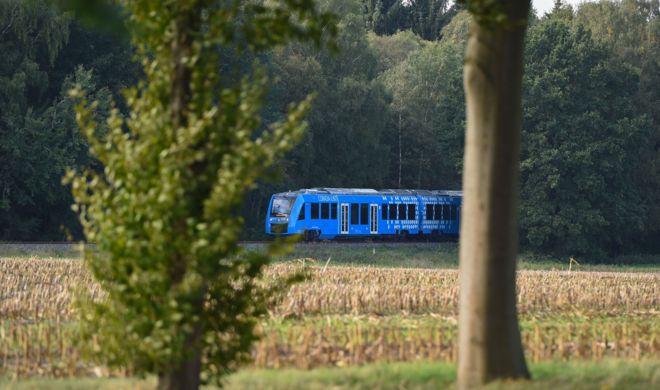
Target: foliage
38, 135
582, 144
391, 50
628, 28
492, 13
428, 114
347, 120
630, 31
425, 18
37, 126
163, 213
354, 127
458, 29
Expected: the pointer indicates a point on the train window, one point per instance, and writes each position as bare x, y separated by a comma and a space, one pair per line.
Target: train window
325, 210
364, 214
333, 209
412, 211
315, 211
429, 212
393, 212
355, 214
402, 211
445, 212
453, 213
383, 212
437, 212
301, 215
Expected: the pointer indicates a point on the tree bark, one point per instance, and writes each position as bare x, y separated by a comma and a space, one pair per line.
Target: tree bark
180, 87
490, 346
185, 373
400, 152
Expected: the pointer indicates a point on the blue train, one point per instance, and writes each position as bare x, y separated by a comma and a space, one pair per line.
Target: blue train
334, 213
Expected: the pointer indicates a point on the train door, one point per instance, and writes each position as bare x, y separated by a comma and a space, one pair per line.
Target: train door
373, 224
344, 219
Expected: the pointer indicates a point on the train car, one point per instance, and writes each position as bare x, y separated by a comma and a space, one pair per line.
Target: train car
336, 213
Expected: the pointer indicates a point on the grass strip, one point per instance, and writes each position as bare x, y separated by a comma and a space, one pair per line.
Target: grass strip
608, 374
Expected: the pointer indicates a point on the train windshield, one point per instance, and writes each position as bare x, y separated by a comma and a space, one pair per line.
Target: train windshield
281, 206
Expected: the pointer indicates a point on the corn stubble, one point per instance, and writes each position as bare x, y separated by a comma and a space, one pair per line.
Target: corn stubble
346, 316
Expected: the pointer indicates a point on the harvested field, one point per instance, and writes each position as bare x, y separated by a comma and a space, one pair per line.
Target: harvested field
348, 315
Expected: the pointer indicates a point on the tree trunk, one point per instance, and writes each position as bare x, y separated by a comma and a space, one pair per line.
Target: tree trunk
419, 169
184, 377
400, 152
489, 336
184, 374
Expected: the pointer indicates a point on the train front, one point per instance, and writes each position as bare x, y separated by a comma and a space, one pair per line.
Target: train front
279, 214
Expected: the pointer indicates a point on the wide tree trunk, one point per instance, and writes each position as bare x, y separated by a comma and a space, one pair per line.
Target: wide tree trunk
489, 336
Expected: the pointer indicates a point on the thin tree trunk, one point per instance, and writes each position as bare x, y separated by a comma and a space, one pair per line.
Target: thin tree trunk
185, 373
260, 202
400, 153
489, 336
419, 169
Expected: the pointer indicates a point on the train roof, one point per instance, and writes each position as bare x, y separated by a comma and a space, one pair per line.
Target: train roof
370, 191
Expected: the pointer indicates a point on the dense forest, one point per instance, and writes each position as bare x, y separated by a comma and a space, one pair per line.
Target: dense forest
389, 113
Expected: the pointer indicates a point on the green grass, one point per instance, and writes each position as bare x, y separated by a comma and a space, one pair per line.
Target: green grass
77, 384
445, 255
441, 255
424, 375
411, 323
380, 254
611, 374
421, 375
27, 251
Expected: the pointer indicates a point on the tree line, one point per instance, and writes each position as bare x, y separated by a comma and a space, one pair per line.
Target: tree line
389, 113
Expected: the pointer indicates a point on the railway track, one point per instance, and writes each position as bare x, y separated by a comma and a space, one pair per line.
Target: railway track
27, 247
264, 242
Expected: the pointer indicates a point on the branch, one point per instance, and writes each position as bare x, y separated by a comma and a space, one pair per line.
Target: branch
11, 21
